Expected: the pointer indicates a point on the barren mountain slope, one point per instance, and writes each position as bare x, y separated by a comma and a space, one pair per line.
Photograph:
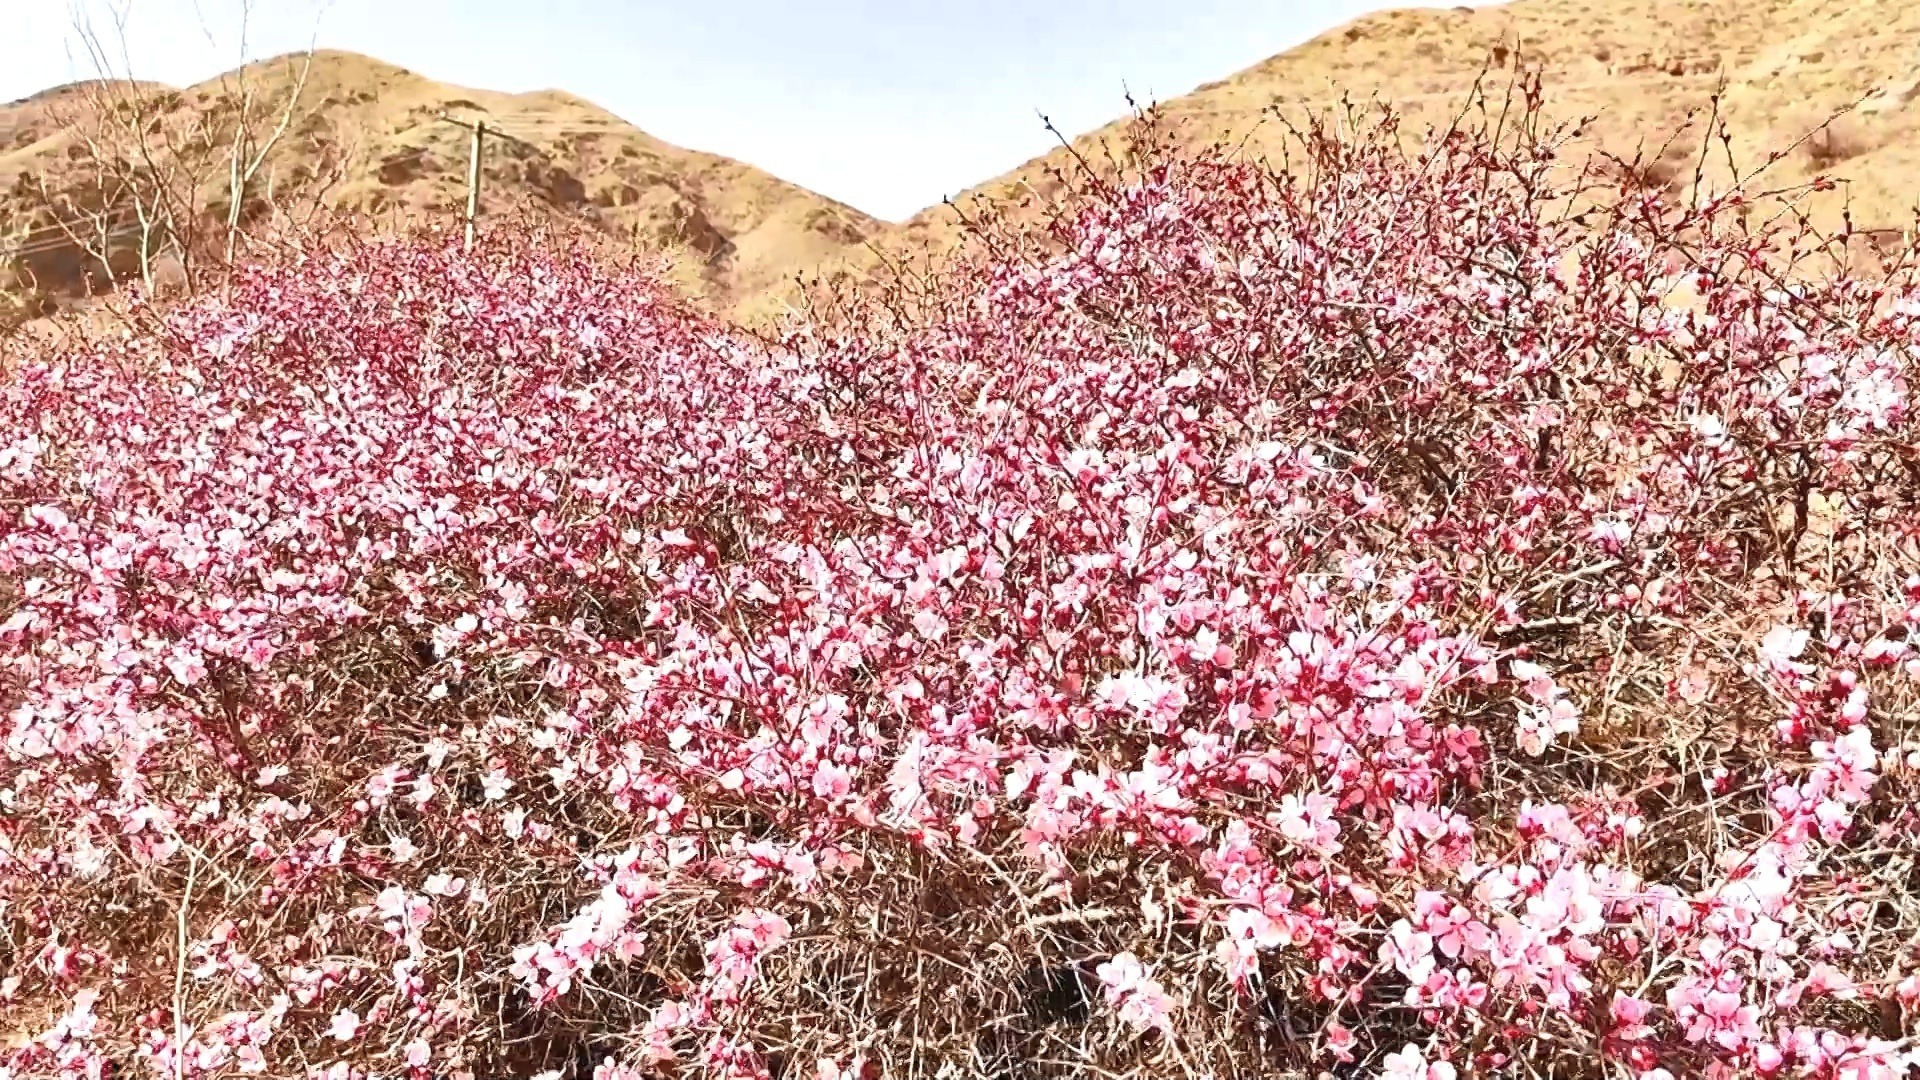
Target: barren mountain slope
365, 137
30, 119
1636, 66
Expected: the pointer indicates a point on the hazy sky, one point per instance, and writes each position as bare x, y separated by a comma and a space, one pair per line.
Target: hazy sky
884, 104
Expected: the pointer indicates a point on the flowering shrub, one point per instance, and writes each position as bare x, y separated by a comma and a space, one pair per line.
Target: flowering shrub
1370, 622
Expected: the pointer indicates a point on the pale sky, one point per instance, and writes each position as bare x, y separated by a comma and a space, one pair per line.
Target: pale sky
887, 105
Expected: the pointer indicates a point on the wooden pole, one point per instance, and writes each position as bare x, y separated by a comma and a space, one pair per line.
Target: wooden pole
480, 132
473, 179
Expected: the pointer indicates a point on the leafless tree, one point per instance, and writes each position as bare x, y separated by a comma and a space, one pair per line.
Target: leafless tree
148, 167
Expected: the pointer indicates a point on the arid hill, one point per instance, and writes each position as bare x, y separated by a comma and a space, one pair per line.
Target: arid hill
1639, 68
366, 138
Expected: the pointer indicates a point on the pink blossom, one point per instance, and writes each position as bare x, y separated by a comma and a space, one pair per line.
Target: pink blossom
1408, 1063
1782, 645
344, 1026
1131, 989
492, 635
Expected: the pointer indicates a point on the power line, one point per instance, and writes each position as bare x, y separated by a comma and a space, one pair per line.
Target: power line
58, 232
42, 232
58, 236
63, 241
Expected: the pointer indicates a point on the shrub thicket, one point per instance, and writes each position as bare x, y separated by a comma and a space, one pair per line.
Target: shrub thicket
1371, 621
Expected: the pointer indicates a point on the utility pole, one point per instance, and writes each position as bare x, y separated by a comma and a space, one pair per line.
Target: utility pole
479, 130
473, 178
481, 133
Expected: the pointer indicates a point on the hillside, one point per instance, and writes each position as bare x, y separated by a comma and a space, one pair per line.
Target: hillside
1637, 67
365, 138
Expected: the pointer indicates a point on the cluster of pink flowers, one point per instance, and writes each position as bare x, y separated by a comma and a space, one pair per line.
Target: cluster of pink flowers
1366, 599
